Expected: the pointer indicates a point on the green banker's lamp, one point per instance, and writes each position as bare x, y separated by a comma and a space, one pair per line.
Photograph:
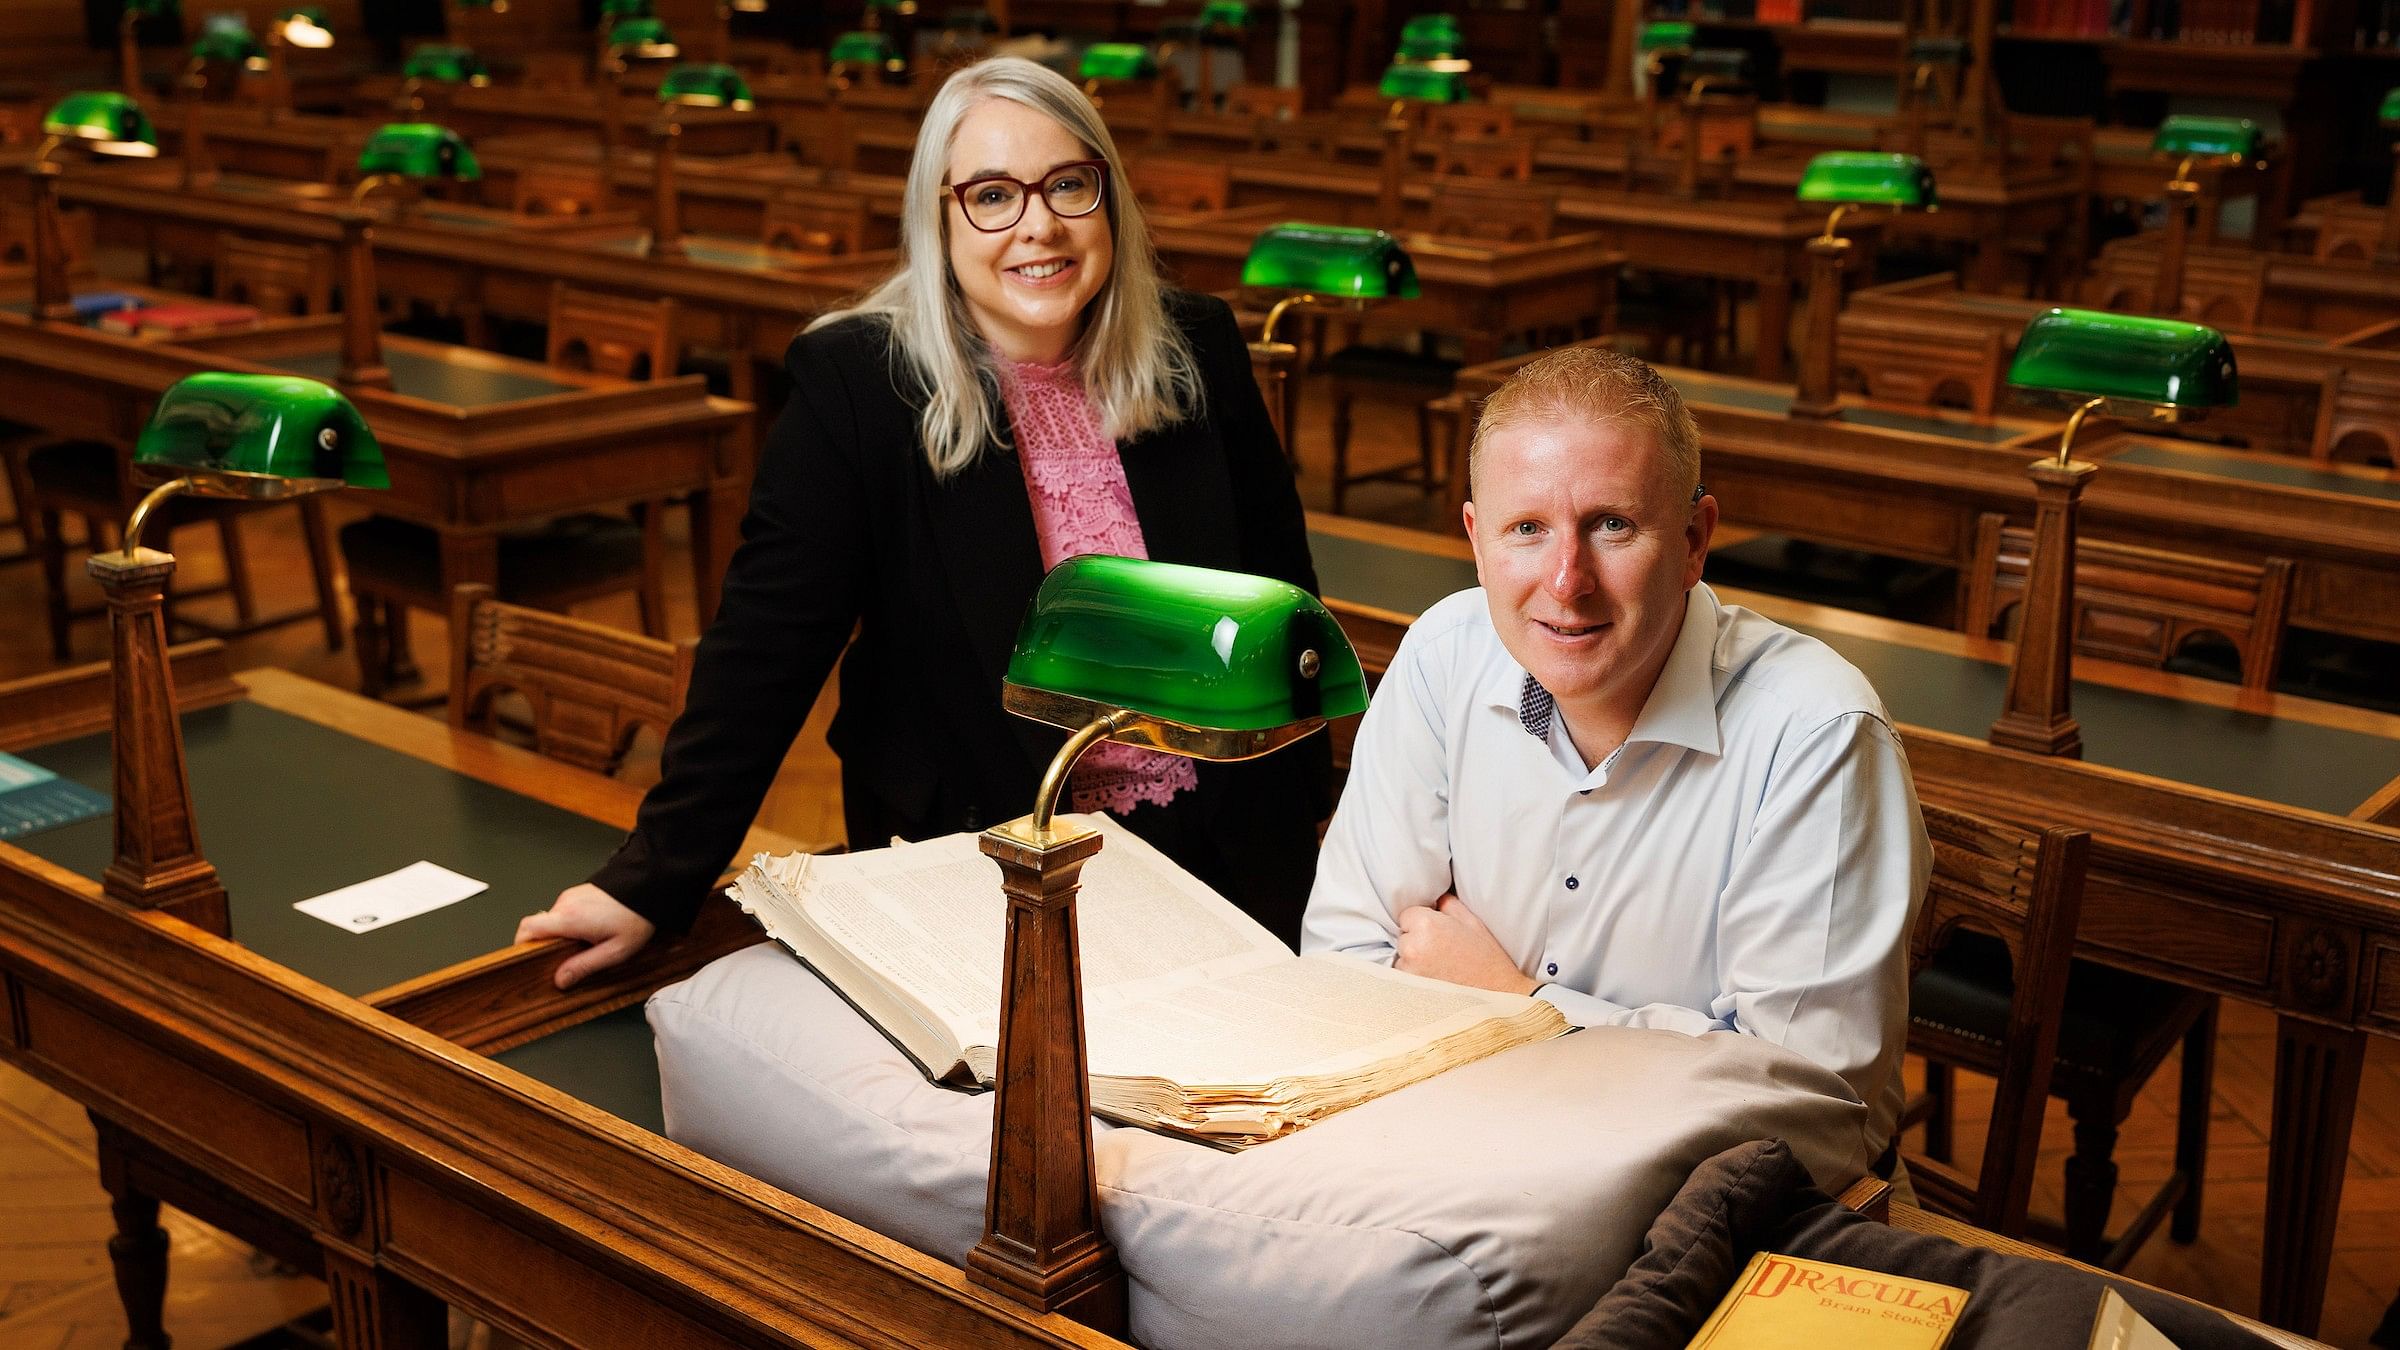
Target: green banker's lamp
1848, 179
252, 437
1724, 72
2387, 248
1113, 63
887, 15
692, 85
1408, 83
2226, 142
231, 45
302, 26
862, 52
438, 69
2120, 365
1317, 267
1211, 665
1930, 77
1431, 37
646, 39
402, 154
1662, 47
1220, 23
129, 43
100, 122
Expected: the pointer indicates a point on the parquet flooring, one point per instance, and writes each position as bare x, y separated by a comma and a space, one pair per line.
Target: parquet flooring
54, 1283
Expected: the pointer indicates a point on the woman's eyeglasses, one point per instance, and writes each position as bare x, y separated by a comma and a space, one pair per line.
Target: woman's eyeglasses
998, 202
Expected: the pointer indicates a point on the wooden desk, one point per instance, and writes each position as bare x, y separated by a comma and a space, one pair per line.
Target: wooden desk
475, 442
2198, 875
2319, 295
1481, 292
1912, 485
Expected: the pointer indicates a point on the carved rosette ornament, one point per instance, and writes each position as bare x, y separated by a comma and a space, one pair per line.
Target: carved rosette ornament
2319, 968
340, 1189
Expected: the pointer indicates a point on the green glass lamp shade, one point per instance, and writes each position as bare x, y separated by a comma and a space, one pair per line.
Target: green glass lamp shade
443, 63
305, 26
418, 150
233, 46
1433, 30
1423, 84
2139, 365
259, 436
864, 48
646, 38
705, 85
1868, 178
1116, 61
1335, 261
152, 9
613, 10
2232, 138
2389, 113
1218, 16
1937, 51
1215, 665
1667, 37
105, 122
1723, 67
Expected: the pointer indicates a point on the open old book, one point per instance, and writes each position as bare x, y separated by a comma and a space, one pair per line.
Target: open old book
1199, 1022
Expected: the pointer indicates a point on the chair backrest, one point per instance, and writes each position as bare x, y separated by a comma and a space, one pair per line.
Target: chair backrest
1469, 121
1262, 100
611, 334
2139, 604
1493, 209
560, 190
827, 224
1182, 184
274, 278
1907, 358
1486, 157
2025, 890
591, 688
2224, 290
2358, 419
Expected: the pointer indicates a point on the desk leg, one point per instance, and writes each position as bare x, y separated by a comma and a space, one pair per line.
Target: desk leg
138, 1250
1774, 326
715, 515
376, 1310
2316, 1093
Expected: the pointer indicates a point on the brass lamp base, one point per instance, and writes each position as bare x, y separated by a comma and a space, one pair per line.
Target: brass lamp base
1042, 1245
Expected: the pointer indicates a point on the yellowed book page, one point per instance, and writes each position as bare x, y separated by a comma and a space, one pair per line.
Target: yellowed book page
1299, 1017
1785, 1303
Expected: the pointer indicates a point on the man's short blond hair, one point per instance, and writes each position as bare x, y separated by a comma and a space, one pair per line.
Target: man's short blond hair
1595, 384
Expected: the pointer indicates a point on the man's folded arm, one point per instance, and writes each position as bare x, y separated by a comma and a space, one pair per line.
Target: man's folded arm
1591, 1010
1389, 844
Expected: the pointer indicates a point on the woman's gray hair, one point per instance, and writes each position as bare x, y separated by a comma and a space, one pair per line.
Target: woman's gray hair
1137, 367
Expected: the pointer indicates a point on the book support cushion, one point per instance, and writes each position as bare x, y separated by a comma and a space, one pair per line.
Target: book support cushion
1488, 1207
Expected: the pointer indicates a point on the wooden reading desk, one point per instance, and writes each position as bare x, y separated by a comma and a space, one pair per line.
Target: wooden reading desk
2243, 844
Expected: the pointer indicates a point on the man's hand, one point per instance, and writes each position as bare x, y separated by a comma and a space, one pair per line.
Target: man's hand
586, 913
1445, 941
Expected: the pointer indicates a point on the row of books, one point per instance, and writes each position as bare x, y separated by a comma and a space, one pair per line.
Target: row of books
2230, 22
129, 315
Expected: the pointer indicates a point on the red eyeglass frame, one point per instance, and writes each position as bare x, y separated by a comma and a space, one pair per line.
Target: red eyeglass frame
959, 191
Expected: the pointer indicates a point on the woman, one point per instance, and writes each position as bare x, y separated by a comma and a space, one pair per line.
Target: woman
1021, 390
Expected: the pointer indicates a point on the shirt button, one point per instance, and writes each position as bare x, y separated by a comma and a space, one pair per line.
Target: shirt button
1551, 969
1572, 883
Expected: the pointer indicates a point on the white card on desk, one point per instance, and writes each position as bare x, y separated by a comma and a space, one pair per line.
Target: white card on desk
413, 890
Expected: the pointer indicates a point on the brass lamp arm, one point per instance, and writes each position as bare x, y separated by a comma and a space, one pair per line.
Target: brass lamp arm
149, 503
371, 184
1698, 88
1833, 220
49, 144
1266, 332
1054, 778
2066, 439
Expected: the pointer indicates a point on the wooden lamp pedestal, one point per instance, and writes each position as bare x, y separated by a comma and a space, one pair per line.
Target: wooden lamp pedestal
2036, 717
1828, 258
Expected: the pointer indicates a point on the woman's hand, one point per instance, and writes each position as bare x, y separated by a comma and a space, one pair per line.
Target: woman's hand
586, 913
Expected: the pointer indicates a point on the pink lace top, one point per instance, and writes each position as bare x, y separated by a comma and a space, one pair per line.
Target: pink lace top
1082, 505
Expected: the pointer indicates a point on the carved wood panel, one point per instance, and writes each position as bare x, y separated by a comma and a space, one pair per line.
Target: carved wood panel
2381, 987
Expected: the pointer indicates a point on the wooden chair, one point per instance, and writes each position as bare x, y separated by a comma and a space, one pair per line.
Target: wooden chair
1270, 111
1182, 184
591, 688
395, 565
1492, 209
2023, 893
560, 190
2358, 419
2220, 290
826, 225
1920, 360
2139, 604
2113, 1029
275, 279
1486, 157
1470, 121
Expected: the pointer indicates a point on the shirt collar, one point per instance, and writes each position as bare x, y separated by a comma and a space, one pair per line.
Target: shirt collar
1682, 707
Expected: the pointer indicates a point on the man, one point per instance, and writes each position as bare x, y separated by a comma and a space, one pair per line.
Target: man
1591, 782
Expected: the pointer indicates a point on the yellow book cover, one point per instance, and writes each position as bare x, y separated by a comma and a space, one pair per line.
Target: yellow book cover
1785, 1303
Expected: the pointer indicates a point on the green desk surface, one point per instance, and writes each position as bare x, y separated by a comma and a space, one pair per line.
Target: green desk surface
2274, 759
2217, 464
427, 376
610, 1062
742, 255
1776, 401
290, 809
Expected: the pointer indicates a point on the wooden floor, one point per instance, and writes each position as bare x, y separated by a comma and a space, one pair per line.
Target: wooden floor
54, 1283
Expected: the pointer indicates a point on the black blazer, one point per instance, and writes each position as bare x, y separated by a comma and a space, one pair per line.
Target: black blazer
848, 529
